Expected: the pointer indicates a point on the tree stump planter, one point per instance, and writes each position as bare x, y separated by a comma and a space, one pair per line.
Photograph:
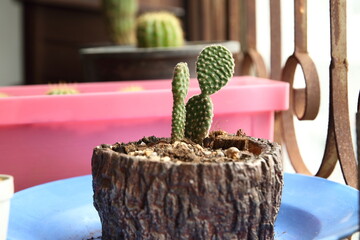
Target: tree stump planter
186, 191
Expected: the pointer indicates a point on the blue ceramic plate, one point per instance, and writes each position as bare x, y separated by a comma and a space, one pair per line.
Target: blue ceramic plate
312, 208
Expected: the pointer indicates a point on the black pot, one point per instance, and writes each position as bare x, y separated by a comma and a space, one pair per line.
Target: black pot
119, 63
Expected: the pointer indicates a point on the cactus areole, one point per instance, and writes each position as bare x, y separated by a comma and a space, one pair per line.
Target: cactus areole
196, 184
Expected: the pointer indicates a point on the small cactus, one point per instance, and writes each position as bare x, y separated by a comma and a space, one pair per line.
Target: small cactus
159, 29
120, 16
180, 85
215, 67
62, 89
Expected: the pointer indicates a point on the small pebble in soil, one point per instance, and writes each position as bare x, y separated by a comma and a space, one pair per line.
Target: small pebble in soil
219, 153
181, 151
166, 159
148, 152
233, 153
176, 143
155, 158
199, 147
184, 145
142, 157
207, 153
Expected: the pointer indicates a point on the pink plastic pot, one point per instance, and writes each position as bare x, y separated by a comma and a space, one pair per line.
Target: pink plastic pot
45, 138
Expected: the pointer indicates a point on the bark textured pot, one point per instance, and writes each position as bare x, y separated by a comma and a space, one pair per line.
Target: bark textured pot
118, 63
6, 193
139, 198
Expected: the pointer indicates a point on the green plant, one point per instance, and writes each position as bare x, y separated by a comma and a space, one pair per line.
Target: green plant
180, 85
159, 29
62, 89
120, 16
214, 67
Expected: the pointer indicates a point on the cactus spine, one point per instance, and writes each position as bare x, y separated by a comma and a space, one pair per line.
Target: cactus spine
159, 29
120, 16
214, 67
180, 85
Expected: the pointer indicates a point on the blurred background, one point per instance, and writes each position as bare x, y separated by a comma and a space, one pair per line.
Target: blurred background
39, 42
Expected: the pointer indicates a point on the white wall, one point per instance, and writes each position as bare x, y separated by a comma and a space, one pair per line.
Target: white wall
11, 65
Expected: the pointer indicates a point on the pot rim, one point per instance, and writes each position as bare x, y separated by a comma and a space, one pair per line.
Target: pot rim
191, 48
267, 149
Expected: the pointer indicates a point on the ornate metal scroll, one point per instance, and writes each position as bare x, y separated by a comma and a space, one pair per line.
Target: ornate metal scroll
304, 103
248, 40
275, 56
339, 142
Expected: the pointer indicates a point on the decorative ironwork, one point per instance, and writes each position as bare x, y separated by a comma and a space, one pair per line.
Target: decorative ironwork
339, 136
304, 103
339, 143
251, 57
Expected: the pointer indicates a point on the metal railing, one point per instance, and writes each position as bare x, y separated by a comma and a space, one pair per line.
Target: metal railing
236, 20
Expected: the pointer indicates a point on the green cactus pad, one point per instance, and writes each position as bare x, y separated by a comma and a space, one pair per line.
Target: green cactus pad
159, 29
198, 117
214, 67
180, 84
181, 80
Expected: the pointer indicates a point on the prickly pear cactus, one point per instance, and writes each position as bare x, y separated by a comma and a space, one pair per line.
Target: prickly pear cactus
62, 89
180, 85
159, 29
120, 16
199, 114
214, 67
